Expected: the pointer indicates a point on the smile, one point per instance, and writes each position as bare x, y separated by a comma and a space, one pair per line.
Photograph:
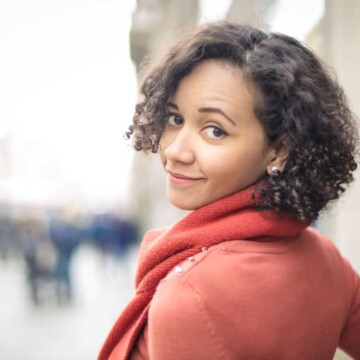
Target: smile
179, 179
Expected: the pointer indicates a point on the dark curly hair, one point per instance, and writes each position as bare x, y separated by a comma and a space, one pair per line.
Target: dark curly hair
297, 100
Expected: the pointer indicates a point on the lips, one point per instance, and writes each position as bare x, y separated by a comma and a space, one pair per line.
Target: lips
181, 176
180, 179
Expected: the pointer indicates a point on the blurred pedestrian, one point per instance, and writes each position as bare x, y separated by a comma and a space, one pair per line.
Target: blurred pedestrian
66, 237
39, 254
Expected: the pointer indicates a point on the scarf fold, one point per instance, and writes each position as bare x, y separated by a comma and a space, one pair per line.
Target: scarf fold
230, 218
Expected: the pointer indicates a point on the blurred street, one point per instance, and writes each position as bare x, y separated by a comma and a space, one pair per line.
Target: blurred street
75, 330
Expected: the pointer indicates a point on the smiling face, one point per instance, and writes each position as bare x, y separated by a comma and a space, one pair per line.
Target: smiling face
213, 145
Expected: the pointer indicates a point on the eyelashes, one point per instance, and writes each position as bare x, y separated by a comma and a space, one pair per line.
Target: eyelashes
211, 131
215, 132
174, 119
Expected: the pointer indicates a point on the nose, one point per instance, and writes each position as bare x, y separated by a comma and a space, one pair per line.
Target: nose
178, 147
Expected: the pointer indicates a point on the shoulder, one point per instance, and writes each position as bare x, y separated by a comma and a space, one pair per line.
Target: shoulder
206, 296
240, 288
238, 263
229, 276
250, 264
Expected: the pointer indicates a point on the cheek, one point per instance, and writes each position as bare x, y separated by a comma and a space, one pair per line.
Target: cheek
165, 140
225, 168
234, 166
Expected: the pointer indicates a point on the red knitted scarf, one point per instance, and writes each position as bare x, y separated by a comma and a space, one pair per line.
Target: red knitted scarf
230, 218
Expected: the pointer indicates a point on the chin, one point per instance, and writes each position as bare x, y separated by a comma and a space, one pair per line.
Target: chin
182, 204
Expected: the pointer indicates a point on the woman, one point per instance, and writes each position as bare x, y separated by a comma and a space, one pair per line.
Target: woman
256, 138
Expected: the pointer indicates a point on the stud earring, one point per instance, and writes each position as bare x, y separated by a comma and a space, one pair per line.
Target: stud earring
275, 172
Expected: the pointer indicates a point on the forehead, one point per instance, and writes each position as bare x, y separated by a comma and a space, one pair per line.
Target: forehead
215, 82
213, 69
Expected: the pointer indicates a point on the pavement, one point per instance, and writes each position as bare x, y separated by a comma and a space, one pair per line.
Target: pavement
73, 331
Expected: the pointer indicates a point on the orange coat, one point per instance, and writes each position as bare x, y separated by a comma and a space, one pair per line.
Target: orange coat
293, 299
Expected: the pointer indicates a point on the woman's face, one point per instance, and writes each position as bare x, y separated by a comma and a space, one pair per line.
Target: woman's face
213, 145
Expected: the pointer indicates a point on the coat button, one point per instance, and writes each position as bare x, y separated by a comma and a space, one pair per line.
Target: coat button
204, 248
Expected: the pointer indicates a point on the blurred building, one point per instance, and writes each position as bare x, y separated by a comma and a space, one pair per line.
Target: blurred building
256, 13
336, 38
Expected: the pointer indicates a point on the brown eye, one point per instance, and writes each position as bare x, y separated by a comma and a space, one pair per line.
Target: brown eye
214, 132
175, 120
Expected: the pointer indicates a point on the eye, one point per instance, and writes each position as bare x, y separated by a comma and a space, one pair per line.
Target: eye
214, 132
175, 120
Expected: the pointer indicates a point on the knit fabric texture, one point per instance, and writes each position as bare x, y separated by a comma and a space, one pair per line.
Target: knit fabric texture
232, 218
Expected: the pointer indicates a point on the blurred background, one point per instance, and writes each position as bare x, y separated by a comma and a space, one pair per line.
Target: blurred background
74, 198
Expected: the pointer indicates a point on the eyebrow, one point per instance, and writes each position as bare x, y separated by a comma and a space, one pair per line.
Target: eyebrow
207, 110
174, 106
217, 111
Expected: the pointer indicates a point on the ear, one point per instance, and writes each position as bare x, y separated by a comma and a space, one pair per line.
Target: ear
279, 156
